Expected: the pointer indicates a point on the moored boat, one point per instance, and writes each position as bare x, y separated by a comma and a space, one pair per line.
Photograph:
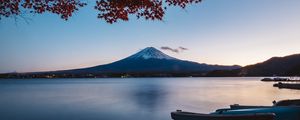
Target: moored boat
287, 85
279, 79
282, 110
180, 115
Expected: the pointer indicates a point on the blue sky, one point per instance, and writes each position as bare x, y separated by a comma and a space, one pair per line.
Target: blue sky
215, 31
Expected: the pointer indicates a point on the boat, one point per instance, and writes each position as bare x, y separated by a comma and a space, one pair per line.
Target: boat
282, 110
287, 85
180, 115
278, 79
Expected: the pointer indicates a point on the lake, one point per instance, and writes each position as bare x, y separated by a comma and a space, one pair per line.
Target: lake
130, 98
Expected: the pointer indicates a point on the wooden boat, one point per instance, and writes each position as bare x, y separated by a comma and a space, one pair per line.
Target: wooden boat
282, 110
294, 102
180, 115
287, 85
278, 79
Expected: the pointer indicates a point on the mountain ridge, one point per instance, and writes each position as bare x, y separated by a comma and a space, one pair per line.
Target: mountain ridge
159, 64
151, 60
274, 66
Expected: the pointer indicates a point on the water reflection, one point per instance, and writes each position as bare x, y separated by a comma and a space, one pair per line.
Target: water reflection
148, 96
128, 99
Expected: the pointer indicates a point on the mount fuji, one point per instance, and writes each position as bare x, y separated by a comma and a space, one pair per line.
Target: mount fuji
149, 61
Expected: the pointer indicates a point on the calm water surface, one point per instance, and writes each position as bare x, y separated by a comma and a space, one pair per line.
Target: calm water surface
130, 98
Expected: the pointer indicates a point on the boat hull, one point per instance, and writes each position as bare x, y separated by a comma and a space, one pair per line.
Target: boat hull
179, 115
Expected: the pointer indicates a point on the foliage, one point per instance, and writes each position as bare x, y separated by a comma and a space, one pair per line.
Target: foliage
109, 10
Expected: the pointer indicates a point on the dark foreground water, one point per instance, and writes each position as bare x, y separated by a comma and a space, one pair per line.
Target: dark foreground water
130, 98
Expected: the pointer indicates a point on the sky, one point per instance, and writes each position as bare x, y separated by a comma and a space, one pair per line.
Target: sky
222, 32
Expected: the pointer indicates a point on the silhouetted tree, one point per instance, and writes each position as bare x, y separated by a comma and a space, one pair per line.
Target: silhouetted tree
109, 10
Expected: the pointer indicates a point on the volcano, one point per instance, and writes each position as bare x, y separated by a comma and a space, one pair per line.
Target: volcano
149, 61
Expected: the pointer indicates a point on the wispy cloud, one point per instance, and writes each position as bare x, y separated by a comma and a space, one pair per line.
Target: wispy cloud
183, 48
176, 50
170, 49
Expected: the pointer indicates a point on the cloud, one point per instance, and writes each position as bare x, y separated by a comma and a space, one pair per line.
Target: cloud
170, 49
183, 48
176, 50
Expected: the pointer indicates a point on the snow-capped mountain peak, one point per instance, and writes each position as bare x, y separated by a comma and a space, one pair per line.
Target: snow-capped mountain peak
150, 53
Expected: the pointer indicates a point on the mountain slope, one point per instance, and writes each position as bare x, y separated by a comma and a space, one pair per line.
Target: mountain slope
151, 60
150, 53
288, 65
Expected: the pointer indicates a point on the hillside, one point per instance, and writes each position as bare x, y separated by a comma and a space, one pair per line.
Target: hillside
280, 66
